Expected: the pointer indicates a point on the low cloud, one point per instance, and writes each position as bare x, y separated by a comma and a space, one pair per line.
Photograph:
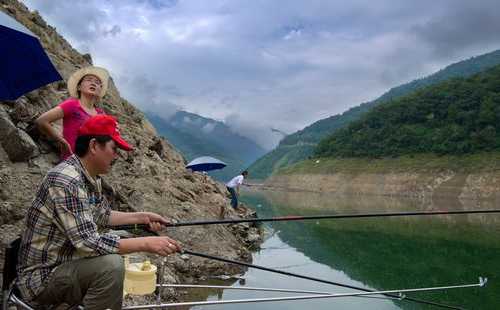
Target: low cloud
466, 26
208, 127
260, 65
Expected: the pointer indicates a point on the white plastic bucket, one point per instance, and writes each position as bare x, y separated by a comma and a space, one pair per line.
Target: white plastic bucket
140, 278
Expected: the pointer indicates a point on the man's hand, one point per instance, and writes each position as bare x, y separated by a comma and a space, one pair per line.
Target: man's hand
154, 221
162, 245
157, 245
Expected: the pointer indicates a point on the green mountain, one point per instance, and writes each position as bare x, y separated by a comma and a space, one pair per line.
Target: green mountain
455, 117
194, 136
300, 145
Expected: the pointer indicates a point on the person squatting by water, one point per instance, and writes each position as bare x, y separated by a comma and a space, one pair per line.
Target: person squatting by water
233, 187
86, 87
64, 256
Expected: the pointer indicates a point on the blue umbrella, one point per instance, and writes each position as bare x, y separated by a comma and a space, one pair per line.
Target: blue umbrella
205, 163
24, 66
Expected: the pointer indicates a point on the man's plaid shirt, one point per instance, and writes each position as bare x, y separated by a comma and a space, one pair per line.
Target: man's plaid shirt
62, 225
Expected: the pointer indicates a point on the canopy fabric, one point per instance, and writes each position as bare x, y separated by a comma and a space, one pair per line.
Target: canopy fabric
24, 65
205, 163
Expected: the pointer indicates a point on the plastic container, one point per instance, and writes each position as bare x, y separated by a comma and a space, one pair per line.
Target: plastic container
140, 278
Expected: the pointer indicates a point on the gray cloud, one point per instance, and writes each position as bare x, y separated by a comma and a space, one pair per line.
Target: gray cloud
468, 25
148, 94
270, 64
115, 30
82, 21
160, 4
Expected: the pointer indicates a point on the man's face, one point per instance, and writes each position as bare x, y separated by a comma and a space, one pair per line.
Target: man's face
104, 155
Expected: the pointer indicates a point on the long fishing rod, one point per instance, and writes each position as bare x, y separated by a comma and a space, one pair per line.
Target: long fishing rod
146, 228
292, 218
245, 288
315, 217
313, 278
399, 293
260, 289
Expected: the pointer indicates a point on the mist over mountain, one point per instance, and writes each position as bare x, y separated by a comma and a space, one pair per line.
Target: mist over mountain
194, 135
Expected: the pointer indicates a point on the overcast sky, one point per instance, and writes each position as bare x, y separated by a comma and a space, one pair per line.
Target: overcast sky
262, 64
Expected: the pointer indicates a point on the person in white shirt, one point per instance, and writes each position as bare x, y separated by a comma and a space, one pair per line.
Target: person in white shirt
233, 188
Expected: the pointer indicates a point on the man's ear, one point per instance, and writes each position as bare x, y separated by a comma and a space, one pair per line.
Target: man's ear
93, 145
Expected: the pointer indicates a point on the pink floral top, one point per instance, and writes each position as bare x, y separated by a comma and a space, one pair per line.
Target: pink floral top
74, 117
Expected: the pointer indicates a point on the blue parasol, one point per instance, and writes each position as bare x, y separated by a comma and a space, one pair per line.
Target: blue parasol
24, 65
205, 163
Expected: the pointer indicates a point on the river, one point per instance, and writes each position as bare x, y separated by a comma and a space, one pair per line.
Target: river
377, 254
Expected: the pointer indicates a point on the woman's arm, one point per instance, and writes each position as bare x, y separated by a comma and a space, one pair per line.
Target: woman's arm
44, 122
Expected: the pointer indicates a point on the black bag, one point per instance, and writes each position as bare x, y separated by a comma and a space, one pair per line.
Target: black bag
9, 266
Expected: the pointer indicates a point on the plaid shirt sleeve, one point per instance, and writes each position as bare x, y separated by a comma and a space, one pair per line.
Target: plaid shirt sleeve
104, 212
72, 211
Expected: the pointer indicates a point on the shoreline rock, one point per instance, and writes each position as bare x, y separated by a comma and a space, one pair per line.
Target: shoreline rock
151, 178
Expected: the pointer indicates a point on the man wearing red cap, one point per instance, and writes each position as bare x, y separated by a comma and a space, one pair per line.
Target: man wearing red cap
64, 256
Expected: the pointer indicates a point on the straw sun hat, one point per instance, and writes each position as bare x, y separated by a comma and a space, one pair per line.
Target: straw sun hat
75, 78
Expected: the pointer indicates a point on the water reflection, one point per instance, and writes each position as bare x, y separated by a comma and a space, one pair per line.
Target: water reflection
277, 254
389, 253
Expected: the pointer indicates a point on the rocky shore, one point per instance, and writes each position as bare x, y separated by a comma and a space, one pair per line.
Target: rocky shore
466, 188
151, 178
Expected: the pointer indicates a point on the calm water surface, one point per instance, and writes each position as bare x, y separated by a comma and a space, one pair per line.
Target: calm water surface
378, 254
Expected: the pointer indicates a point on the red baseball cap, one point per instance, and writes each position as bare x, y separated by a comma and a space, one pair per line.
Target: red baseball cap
104, 125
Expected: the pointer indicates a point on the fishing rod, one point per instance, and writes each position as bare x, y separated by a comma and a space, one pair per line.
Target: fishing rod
260, 289
245, 288
315, 217
399, 293
146, 228
226, 260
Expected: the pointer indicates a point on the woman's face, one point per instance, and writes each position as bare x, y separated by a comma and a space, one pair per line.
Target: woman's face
90, 85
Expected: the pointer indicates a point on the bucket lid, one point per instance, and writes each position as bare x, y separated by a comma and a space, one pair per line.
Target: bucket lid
137, 268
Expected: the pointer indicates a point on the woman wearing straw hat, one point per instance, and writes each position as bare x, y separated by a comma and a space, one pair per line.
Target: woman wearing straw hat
86, 87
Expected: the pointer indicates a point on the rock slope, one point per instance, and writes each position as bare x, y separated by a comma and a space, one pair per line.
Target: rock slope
151, 178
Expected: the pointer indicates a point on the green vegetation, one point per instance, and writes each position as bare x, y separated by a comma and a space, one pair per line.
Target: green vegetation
280, 157
460, 116
470, 163
302, 142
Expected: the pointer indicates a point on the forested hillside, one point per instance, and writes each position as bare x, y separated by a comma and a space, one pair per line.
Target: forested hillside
455, 117
300, 145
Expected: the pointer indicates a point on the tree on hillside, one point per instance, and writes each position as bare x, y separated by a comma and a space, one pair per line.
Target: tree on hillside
454, 117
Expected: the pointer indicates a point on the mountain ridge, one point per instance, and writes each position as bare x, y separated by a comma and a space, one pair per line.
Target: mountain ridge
300, 145
195, 135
